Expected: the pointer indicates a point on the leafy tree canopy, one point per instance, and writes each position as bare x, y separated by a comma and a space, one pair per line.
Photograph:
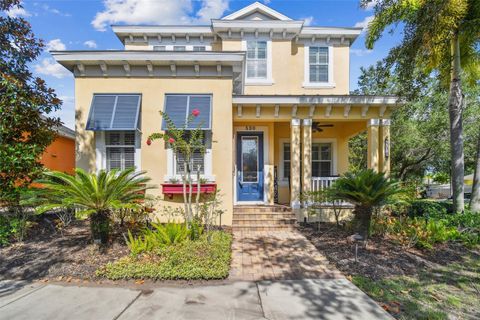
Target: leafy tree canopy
25, 100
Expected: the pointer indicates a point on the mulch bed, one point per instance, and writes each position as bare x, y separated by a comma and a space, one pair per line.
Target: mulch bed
382, 257
71, 258
47, 253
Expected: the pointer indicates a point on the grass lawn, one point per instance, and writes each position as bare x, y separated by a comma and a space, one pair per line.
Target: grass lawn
189, 260
450, 291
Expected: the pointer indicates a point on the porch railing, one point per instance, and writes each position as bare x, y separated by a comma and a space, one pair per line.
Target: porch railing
321, 183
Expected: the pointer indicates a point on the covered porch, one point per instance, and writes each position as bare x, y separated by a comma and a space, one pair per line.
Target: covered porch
287, 145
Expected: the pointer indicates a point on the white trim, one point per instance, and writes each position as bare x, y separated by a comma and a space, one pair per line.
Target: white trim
336, 31
207, 166
178, 29
101, 149
333, 141
318, 85
75, 57
282, 180
373, 101
268, 81
245, 129
255, 7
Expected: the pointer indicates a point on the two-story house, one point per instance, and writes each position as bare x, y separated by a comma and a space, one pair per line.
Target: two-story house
273, 96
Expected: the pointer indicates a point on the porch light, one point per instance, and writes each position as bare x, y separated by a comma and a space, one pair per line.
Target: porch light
387, 148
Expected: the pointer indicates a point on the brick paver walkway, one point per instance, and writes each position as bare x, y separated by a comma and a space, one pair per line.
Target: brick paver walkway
277, 255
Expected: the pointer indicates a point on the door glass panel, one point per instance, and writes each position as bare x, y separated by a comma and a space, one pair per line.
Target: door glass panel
250, 159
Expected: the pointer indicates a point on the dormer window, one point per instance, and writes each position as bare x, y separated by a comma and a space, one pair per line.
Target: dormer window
318, 67
256, 59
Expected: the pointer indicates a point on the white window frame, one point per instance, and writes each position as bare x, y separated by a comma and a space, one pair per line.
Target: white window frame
316, 85
101, 150
333, 142
207, 165
193, 42
282, 180
256, 81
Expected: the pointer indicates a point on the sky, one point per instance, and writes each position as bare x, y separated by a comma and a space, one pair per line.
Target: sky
85, 24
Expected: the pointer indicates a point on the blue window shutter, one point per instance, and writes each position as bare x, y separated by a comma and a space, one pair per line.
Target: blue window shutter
114, 112
179, 108
101, 112
176, 108
126, 112
203, 104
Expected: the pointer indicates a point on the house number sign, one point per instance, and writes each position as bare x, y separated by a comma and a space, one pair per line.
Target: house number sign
250, 128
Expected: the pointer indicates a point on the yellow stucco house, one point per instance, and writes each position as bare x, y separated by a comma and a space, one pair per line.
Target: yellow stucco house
274, 101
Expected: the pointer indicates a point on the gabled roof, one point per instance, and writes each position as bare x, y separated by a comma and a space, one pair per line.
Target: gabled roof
256, 7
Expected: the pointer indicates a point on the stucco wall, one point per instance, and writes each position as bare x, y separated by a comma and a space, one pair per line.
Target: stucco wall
288, 63
154, 157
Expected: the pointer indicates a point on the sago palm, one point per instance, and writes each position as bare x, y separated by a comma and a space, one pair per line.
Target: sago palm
94, 195
365, 190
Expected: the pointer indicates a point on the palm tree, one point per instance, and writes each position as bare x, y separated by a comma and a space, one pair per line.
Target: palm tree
94, 195
439, 37
365, 189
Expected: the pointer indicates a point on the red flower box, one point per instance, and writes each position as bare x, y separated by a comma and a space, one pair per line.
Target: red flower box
170, 189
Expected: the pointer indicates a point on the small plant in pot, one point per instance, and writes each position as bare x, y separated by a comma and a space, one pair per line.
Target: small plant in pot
95, 195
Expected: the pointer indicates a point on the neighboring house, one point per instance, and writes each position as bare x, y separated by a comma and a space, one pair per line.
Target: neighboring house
60, 154
273, 95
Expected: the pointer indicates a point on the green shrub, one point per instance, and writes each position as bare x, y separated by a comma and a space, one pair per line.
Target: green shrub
425, 208
189, 260
169, 233
140, 244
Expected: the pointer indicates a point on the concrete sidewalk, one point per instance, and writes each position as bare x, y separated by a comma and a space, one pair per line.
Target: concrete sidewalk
286, 299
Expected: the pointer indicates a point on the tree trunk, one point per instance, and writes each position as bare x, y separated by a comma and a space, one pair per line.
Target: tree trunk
361, 221
100, 226
475, 199
455, 110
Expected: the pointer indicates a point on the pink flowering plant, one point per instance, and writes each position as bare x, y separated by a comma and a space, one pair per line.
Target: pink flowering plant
185, 141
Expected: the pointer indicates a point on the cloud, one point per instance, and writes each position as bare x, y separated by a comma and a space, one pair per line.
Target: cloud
17, 12
50, 67
360, 52
266, 1
364, 23
47, 8
157, 12
90, 44
308, 21
370, 5
55, 45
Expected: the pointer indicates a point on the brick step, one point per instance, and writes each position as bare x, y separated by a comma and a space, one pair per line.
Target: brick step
256, 227
261, 209
239, 222
272, 215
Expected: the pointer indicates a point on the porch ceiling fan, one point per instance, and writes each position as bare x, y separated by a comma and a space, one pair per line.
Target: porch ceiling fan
317, 126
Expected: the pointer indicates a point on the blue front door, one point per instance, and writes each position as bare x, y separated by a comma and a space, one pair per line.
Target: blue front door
250, 166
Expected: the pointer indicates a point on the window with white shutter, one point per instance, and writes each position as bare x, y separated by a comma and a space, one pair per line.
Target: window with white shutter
120, 149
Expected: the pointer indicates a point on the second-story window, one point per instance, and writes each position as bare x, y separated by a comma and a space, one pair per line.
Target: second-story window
318, 64
199, 48
159, 48
256, 59
179, 48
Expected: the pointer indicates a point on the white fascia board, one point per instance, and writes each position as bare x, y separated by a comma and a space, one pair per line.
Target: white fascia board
308, 100
350, 33
256, 6
141, 30
224, 25
200, 56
